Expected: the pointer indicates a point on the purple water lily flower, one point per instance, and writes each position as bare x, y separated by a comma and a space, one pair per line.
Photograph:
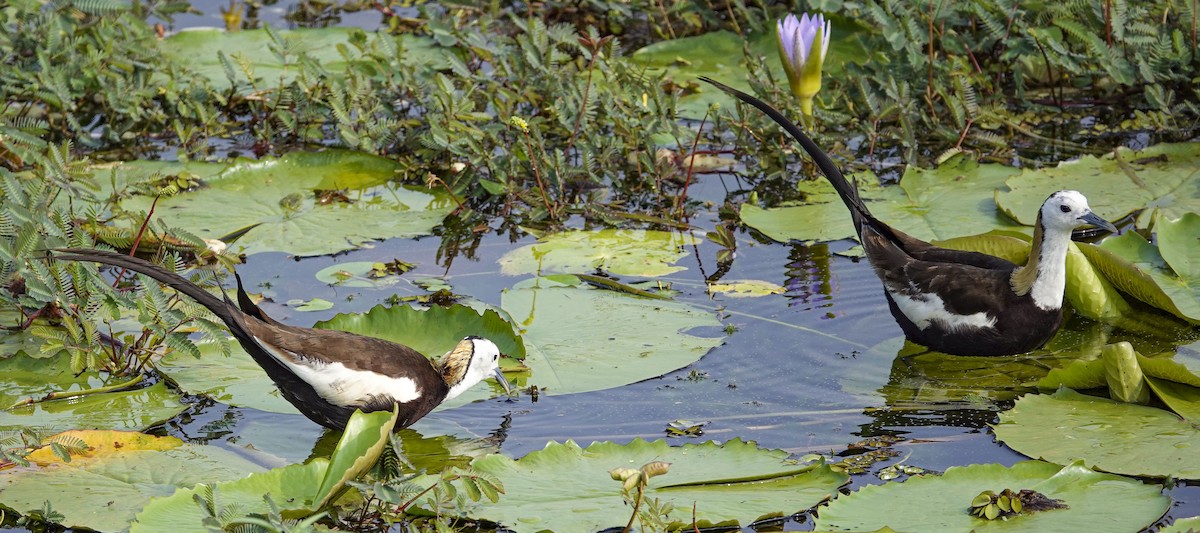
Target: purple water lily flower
803, 43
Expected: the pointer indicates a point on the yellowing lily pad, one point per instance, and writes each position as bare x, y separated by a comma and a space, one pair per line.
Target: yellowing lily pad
274, 200
101, 444
731, 483
747, 288
952, 200
1095, 501
1164, 179
621, 252
1117, 437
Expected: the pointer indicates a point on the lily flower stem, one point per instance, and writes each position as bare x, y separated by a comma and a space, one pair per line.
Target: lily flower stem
636, 506
137, 239
691, 164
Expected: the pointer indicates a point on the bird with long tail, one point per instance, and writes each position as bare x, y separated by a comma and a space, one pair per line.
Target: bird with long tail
953, 301
327, 374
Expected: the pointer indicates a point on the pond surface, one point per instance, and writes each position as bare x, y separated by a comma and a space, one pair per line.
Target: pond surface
808, 371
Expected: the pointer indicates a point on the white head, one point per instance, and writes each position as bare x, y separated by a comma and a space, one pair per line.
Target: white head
1064, 211
473, 360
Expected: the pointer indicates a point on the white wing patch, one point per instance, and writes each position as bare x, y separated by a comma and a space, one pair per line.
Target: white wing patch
925, 309
342, 386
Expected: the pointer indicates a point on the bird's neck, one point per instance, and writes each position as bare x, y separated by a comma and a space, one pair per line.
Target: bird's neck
1044, 276
454, 372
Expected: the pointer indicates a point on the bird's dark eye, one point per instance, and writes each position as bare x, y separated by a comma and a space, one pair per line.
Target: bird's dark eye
1065, 208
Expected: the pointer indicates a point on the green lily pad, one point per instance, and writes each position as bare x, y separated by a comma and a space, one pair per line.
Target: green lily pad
23, 376
568, 353
1182, 525
719, 55
315, 304
274, 198
1163, 179
355, 274
198, 49
735, 482
1096, 502
1138, 268
104, 494
234, 380
1117, 437
132, 410
646, 253
1130, 377
952, 200
301, 488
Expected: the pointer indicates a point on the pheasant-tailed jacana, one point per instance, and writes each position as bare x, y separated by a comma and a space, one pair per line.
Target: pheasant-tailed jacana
327, 374
957, 302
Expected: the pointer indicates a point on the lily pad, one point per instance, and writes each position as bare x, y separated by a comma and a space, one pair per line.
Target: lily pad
274, 198
133, 410
198, 50
1130, 377
1117, 437
746, 288
1095, 501
1164, 179
104, 493
1182, 525
302, 488
568, 353
355, 274
101, 444
1139, 269
952, 200
646, 253
23, 376
734, 482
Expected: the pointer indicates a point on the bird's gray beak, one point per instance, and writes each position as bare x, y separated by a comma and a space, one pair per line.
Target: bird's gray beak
503, 381
1095, 220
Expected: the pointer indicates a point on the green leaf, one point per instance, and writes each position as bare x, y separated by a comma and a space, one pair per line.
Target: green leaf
746, 288
735, 482
1161, 179
1116, 437
1139, 269
104, 493
1096, 502
1182, 525
315, 304
1126, 383
646, 253
291, 487
133, 410
362, 442
274, 197
568, 353
952, 200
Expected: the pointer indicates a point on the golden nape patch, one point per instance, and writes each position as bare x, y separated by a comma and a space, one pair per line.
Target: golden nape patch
455, 363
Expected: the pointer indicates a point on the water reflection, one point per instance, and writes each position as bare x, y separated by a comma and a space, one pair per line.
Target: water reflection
809, 281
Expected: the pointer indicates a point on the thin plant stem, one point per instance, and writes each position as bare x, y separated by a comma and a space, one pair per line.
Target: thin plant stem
60, 395
691, 164
537, 174
138, 238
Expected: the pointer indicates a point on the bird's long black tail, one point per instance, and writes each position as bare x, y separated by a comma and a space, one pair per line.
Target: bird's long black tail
219, 307
845, 189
